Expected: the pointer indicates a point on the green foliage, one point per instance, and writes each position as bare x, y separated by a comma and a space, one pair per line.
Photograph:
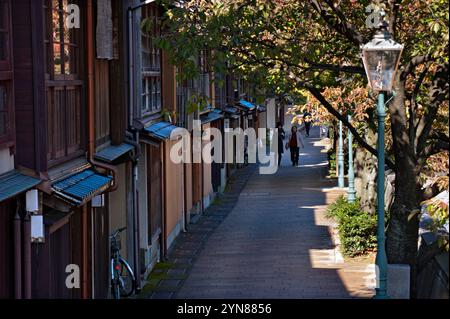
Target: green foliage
439, 217
357, 229
196, 102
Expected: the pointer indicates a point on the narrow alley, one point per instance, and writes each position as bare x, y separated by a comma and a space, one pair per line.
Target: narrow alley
276, 241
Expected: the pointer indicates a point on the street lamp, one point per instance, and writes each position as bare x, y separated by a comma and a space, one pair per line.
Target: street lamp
351, 193
381, 57
341, 158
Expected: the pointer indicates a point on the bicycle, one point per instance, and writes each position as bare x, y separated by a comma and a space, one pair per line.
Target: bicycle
123, 280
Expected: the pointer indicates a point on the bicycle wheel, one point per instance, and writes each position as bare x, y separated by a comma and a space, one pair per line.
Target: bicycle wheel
115, 292
126, 279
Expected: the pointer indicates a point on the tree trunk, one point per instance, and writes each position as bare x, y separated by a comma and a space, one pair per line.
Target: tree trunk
403, 228
366, 174
402, 231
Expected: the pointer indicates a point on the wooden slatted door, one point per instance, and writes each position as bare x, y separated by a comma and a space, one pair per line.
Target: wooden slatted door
155, 210
60, 249
101, 253
216, 167
6, 250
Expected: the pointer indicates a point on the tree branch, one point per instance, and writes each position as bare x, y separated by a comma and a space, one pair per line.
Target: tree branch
438, 93
394, 6
316, 93
336, 68
413, 63
339, 22
412, 115
433, 148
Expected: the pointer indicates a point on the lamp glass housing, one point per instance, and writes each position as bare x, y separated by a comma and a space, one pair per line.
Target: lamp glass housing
381, 58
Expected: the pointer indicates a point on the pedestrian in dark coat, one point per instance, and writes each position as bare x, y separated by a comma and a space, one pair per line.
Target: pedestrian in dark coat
307, 119
281, 135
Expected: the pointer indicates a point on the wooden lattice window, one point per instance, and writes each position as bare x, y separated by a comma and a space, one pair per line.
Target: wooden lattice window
62, 42
5, 35
6, 97
151, 60
204, 74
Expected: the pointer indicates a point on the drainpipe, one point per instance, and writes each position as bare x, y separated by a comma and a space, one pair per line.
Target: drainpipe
135, 142
84, 253
91, 100
136, 224
163, 219
131, 92
17, 256
137, 147
27, 257
132, 140
202, 196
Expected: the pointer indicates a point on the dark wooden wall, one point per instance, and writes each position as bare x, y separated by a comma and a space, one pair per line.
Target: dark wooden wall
6, 250
155, 207
102, 102
29, 84
118, 71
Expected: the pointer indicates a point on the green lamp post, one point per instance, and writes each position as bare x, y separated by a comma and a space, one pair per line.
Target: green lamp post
351, 193
381, 57
340, 158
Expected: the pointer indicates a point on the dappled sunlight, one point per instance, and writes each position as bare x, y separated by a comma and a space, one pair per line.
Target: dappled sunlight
325, 258
314, 165
359, 280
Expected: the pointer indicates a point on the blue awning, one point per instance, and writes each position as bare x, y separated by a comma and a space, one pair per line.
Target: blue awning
231, 110
13, 183
207, 108
261, 108
113, 152
81, 187
161, 130
211, 116
247, 104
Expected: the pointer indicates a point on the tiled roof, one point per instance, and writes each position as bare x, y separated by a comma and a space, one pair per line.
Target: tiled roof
113, 152
247, 104
14, 183
211, 116
231, 110
81, 187
161, 130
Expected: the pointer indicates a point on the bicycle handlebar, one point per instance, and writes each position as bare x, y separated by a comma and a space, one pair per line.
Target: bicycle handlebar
118, 231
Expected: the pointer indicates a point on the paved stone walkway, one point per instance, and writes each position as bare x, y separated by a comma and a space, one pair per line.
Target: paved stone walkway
168, 278
276, 242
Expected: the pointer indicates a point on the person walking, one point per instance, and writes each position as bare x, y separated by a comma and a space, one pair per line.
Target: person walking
307, 119
294, 143
281, 136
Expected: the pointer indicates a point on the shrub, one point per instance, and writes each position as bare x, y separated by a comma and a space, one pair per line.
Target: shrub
357, 229
332, 162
